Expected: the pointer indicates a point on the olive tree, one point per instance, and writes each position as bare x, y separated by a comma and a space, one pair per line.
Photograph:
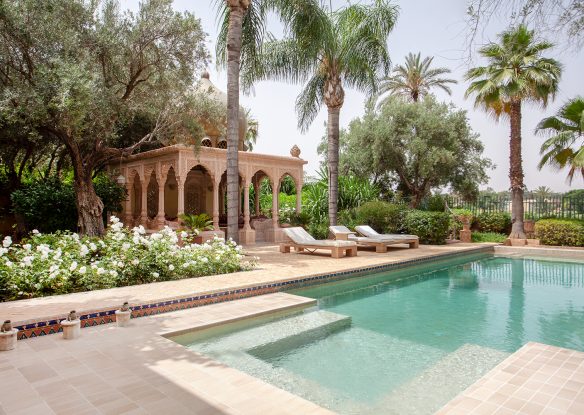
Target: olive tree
416, 147
79, 71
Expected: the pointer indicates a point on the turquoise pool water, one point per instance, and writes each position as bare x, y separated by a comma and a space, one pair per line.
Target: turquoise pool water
408, 341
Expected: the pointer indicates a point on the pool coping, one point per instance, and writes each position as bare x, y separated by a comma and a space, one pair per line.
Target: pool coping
47, 325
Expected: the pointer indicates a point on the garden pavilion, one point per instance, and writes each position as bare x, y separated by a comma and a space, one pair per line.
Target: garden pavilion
164, 183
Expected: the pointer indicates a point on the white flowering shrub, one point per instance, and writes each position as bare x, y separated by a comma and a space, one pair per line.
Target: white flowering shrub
47, 264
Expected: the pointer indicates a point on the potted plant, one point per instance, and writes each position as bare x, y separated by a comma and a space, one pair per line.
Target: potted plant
464, 216
195, 224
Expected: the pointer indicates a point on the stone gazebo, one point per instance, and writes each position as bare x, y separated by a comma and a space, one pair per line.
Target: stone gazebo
164, 183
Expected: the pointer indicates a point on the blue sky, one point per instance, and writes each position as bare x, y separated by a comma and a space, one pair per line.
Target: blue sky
434, 28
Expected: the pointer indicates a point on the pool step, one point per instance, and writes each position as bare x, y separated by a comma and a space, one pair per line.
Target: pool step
283, 334
438, 384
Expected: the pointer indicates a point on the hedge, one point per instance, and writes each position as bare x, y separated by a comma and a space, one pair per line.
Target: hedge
564, 232
382, 216
431, 227
497, 222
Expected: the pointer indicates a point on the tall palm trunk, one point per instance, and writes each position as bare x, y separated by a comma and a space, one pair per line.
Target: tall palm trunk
334, 97
333, 162
237, 9
516, 172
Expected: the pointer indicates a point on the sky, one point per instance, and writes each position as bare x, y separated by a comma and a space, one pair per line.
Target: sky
434, 28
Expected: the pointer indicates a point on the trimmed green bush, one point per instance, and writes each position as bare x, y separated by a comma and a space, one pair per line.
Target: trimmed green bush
431, 227
497, 222
382, 216
319, 230
564, 232
436, 203
488, 237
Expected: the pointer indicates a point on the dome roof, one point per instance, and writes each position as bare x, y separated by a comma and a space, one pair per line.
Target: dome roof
206, 86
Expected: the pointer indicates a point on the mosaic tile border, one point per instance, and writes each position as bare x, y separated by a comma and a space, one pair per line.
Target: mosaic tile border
53, 326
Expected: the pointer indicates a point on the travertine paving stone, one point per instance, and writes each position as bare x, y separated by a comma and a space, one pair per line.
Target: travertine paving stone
537, 379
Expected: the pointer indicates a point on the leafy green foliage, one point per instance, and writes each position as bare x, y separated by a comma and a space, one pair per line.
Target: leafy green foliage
497, 222
197, 223
436, 203
565, 147
415, 79
562, 232
488, 237
431, 227
319, 230
382, 216
416, 147
49, 205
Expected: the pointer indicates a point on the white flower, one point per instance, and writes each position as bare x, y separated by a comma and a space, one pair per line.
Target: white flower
171, 267
7, 242
100, 271
135, 262
155, 274
35, 232
114, 219
204, 260
184, 234
8, 264
92, 246
73, 266
82, 270
126, 246
83, 250
27, 247
120, 264
3, 251
113, 273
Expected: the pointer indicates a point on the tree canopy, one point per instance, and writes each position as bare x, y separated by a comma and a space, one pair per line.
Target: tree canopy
85, 70
415, 147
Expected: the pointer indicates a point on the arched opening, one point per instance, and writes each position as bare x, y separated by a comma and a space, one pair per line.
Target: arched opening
136, 197
152, 197
198, 197
287, 206
206, 142
260, 195
171, 196
222, 143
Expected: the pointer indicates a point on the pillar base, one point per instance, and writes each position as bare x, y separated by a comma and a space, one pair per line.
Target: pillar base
275, 235
247, 236
465, 236
208, 235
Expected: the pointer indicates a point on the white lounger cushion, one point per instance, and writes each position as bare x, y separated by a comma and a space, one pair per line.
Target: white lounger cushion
369, 232
339, 229
300, 237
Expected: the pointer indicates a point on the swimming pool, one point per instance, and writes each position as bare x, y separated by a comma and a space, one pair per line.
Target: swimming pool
409, 340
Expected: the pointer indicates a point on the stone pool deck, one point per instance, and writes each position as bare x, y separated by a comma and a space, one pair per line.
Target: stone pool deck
40, 316
136, 370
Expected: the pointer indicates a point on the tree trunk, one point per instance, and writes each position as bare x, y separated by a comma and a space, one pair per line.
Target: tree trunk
237, 10
516, 173
333, 163
89, 205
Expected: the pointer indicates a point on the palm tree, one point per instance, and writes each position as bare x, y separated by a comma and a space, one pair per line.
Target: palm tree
327, 51
252, 132
415, 79
565, 147
241, 33
516, 72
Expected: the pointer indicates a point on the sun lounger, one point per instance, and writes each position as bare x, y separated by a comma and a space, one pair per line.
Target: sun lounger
301, 240
380, 244
367, 231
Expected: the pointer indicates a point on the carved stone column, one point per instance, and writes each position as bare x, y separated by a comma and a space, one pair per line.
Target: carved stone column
298, 197
181, 196
246, 206
160, 220
275, 204
247, 234
256, 196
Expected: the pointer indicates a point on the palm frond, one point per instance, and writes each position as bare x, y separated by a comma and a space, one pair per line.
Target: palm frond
310, 100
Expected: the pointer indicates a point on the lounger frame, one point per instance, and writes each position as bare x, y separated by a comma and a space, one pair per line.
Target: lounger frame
336, 251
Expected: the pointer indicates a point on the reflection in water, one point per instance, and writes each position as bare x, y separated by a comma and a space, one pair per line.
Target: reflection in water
515, 331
